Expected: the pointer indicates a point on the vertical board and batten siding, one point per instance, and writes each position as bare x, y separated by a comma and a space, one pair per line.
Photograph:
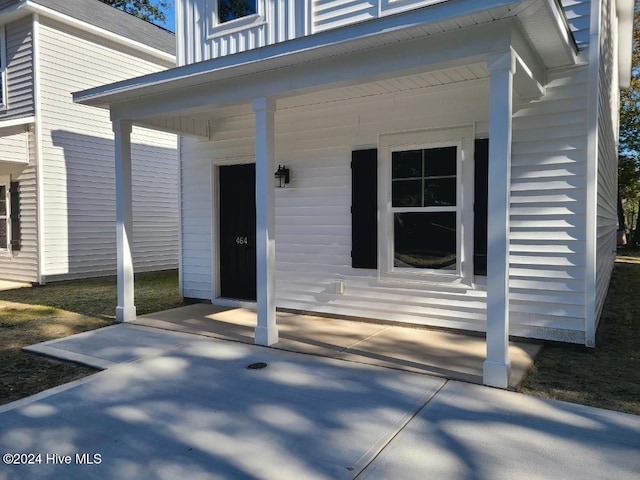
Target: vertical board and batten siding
607, 181
22, 265
19, 51
78, 162
284, 20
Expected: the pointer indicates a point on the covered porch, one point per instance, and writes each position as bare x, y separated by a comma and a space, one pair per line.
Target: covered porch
504, 57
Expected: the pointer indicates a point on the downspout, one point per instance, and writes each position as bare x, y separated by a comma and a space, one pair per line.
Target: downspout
591, 204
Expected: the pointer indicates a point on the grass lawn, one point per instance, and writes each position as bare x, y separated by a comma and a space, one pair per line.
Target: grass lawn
32, 315
608, 375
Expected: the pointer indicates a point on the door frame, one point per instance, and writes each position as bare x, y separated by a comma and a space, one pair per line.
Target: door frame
216, 298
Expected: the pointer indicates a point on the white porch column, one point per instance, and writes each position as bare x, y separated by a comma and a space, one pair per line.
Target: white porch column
126, 309
266, 330
497, 365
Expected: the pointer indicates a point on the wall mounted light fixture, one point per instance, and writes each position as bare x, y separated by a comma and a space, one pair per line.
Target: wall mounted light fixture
283, 176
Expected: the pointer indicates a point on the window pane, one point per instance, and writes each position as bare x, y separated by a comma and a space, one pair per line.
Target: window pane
3, 200
406, 193
440, 161
232, 9
406, 164
425, 240
439, 192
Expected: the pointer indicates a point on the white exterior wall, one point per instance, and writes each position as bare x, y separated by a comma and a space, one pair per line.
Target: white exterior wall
78, 166
548, 216
548, 245
578, 13
17, 149
19, 38
313, 219
22, 265
607, 185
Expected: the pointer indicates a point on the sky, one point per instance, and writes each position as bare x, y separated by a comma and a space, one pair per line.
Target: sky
170, 13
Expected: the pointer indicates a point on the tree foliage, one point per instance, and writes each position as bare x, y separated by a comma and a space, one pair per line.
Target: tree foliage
629, 149
150, 10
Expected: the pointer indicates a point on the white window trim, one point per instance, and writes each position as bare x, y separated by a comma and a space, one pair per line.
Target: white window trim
3, 69
463, 138
217, 29
5, 181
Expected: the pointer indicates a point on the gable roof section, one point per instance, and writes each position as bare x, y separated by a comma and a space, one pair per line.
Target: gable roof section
113, 20
100, 16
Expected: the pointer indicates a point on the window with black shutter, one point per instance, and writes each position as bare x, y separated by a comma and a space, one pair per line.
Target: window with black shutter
364, 208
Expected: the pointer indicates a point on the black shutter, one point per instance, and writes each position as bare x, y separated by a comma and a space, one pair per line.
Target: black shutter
364, 208
14, 194
480, 206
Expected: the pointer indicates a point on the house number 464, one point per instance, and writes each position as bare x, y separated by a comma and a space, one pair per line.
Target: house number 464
242, 240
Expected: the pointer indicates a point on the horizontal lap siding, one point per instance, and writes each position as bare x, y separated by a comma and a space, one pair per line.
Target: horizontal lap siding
78, 163
313, 219
22, 265
196, 219
17, 144
606, 216
19, 51
548, 212
578, 13
313, 223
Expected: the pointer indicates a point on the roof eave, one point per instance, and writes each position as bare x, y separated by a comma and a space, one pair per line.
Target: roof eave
265, 57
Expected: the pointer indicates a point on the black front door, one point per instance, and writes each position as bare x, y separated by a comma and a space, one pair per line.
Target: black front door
238, 231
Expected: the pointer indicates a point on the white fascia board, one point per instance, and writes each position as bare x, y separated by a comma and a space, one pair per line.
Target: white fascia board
16, 122
27, 7
14, 12
559, 19
625, 9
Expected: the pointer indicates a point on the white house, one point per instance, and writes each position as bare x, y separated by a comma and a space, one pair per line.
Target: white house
401, 123
57, 177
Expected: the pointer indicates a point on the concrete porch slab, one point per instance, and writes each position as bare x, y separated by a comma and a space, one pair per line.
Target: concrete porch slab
434, 352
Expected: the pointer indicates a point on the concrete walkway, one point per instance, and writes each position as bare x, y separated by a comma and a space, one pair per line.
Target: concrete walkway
175, 405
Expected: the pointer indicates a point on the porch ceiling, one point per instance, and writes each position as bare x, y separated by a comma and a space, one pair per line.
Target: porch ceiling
450, 76
437, 45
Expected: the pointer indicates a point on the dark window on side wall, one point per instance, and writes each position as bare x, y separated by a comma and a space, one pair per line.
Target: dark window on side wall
364, 208
3, 216
14, 194
231, 9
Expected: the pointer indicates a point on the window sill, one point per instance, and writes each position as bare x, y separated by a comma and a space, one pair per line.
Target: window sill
237, 25
452, 281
